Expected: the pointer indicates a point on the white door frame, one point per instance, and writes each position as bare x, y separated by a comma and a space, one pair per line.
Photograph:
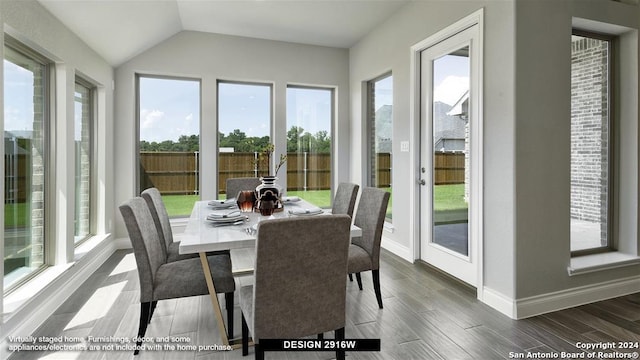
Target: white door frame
475, 221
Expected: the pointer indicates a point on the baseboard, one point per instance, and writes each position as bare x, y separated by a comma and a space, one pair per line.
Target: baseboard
26, 320
397, 249
541, 304
498, 301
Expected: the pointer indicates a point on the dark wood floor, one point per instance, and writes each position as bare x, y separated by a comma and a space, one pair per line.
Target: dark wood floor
426, 316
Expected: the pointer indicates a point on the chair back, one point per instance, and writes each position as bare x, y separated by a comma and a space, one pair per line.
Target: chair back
370, 215
146, 243
160, 216
234, 185
300, 267
345, 200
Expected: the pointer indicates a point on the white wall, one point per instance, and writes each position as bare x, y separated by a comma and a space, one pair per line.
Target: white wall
31, 24
212, 57
388, 48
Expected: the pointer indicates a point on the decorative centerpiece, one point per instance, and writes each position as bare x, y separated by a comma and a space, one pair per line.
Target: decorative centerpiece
269, 193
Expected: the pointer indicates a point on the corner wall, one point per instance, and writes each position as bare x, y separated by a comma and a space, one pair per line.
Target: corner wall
388, 48
542, 154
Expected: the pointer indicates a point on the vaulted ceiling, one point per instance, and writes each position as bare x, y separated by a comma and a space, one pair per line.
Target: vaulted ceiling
120, 29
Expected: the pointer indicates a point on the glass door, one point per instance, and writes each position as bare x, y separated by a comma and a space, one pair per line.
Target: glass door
448, 125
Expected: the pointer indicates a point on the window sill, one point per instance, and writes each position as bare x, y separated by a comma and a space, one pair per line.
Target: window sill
88, 245
21, 295
599, 262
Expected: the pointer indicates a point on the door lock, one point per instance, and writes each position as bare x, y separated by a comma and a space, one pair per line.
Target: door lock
422, 182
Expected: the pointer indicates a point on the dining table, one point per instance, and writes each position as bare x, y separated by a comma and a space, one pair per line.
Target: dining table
203, 234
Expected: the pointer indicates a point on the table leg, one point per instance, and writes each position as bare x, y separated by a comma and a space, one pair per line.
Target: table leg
235, 344
214, 298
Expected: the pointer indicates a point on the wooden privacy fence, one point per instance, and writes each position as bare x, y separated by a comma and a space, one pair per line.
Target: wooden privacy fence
449, 168
177, 172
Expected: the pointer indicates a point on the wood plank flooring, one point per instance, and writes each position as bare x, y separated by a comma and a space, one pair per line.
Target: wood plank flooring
426, 315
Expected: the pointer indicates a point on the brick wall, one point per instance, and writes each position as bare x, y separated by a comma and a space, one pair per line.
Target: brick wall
38, 171
589, 130
83, 168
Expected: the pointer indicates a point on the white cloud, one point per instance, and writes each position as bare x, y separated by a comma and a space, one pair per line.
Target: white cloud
152, 127
150, 118
451, 89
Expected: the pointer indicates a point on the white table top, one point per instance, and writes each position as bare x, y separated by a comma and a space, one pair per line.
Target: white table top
201, 235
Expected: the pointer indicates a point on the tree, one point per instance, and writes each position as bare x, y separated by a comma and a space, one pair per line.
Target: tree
293, 138
297, 141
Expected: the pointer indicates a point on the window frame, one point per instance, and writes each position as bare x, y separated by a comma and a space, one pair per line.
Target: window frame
48, 158
272, 124
332, 91
612, 142
92, 103
370, 131
138, 77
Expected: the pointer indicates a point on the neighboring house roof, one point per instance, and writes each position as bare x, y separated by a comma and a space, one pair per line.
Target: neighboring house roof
12, 147
20, 134
461, 107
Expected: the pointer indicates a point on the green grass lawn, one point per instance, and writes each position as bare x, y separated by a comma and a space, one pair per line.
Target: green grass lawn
450, 197
449, 204
15, 215
449, 201
179, 205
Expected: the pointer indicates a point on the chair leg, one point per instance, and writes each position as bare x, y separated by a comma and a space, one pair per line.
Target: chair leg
228, 298
259, 351
245, 336
339, 334
350, 277
153, 308
145, 309
359, 280
376, 286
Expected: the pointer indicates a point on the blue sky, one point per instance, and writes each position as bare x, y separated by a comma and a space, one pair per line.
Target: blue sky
384, 92
168, 108
451, 78
18, 98
171, 107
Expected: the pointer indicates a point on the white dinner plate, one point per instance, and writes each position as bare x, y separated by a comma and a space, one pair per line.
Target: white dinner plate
306, 212
216, 218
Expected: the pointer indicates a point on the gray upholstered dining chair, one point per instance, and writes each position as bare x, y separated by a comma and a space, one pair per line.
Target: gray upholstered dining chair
161, 219
364, 252
234, 185
299, 286
345, 200
160, 279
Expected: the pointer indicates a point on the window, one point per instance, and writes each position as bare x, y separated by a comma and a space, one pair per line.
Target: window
591, 135
380, 133
169, 123
309, 118
83, 118
25, 135
244, 127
